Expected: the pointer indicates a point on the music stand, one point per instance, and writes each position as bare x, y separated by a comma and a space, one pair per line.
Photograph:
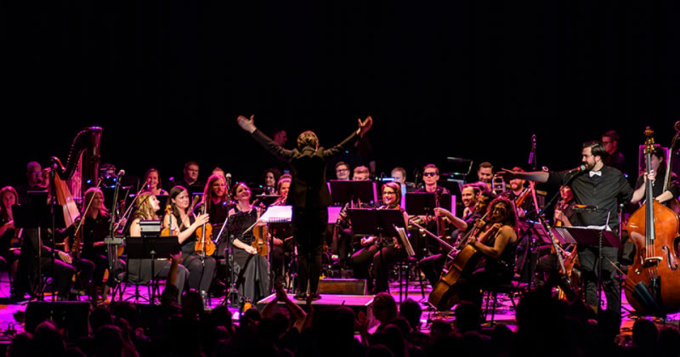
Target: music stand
37, 214
346, 191
424, 203
151, 247
593, 236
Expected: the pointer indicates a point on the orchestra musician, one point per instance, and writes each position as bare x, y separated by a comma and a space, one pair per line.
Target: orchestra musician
9, 247
281, 233
184, 224
520, 195
93, 231
433, 265
251, 268
599, 186
383, 253
497, 245
309, 196
548, 265
152, 183
658, 166
216, 202
139, 270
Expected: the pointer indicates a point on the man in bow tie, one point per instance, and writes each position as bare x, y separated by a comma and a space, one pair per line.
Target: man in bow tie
603, 187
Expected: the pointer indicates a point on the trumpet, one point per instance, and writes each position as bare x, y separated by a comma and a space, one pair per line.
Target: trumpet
498, 184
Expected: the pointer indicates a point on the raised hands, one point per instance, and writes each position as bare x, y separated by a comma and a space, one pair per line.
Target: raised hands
365, 126
246, 124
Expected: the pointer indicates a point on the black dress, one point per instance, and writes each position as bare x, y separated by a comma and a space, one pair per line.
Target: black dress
251, 270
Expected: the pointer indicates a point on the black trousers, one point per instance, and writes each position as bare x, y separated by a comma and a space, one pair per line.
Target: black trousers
309, 228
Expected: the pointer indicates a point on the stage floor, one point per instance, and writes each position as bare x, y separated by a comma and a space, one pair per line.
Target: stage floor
505, 313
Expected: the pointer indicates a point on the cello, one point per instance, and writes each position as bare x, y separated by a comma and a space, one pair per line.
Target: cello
443, 296
652, 284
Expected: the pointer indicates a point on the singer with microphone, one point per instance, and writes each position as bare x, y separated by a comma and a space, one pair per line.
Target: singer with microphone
593, 184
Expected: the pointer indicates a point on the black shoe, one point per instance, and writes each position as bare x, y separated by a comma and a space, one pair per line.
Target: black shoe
300, 297
315, 296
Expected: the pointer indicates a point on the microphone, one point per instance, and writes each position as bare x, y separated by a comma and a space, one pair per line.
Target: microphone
121, 173
533, 148
578, 169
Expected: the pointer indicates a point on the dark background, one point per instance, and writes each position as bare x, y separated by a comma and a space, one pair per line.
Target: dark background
470, 79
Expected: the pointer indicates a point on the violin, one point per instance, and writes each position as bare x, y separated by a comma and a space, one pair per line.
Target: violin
260, 239
166, 231
205, 244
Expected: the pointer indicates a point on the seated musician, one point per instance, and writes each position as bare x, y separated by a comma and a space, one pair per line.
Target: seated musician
250, 269
9, 235
216, 201
432, 266
383, 254
496, 245
547, 266
281, 233
139, 270
430, 180
93, 231
520, 194
152, 183
185, 225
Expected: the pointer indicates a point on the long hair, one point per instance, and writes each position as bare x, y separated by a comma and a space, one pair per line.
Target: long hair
89, 194
10, 189
145, 209
509, 217
208, 194
174, 192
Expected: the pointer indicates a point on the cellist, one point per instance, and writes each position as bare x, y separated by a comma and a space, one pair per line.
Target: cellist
595, 185
497, 245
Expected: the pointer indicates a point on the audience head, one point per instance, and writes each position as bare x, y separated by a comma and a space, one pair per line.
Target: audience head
411, 311
384, 307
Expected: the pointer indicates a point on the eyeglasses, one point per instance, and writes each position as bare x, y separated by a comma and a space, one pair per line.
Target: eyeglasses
426, 174
341, 170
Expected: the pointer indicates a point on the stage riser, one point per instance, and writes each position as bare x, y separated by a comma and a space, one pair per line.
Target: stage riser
342, 286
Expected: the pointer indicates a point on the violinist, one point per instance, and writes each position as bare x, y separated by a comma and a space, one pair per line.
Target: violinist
8, 233
184, 224
430, 179
658, 171
382, 253
252, 280
216, 202
139, 270
497, 245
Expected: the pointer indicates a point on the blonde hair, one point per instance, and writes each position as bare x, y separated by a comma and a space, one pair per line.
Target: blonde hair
144, 207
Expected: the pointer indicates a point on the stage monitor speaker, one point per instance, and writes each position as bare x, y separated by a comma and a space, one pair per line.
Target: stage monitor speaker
72, 316
342, 286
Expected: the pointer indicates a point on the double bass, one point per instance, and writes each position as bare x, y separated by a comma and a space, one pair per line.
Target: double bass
652, 284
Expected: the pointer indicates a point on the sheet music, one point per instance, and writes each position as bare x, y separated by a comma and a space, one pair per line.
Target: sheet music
277, 214
403, 238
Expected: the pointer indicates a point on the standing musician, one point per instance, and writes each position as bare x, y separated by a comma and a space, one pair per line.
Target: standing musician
497, 245
186, 225
599, 186
139, 270
250, 268
382, 253
658, 166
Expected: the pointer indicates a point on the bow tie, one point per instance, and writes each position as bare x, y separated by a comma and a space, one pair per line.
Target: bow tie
595, 173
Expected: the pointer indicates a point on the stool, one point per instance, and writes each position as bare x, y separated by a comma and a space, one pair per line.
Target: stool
410, 264
491, 293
